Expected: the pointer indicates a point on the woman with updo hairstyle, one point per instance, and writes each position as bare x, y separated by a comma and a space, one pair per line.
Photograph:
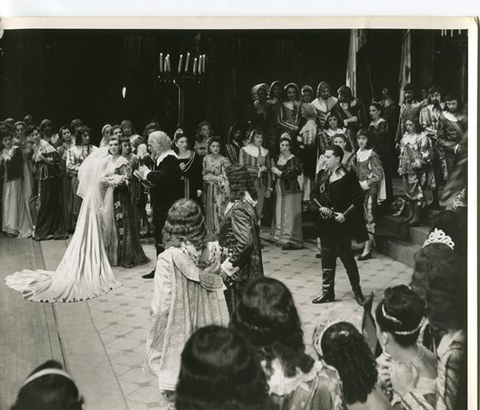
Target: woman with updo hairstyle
287, 225
75, 157
185, 292
400, 317
191, 167
214, 179
240, 236
256, 159
121, 234
106, 133
202, 138
267, 317
220, 372
333, 127
342, 346
49, 387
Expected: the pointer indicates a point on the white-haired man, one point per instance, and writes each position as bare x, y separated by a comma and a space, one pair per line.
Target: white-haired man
165, 180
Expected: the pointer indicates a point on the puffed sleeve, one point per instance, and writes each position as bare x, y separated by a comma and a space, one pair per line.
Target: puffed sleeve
376, 172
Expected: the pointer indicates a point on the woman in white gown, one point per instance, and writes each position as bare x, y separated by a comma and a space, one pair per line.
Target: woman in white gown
84, 271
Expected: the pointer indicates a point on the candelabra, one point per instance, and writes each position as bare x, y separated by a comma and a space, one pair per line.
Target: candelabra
189, 70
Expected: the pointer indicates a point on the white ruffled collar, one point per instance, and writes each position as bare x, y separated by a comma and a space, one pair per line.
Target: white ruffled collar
363, 155
323, 105
161, 157
253, 151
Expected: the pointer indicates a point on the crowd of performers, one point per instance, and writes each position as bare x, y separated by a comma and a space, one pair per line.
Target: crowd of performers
205, 206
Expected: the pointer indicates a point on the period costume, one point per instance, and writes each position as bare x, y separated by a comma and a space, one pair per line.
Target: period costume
252, 158
429, 118
408, 111
84, 271
214, 192
415, 148
192, 177
16, 220
451, 382
380, 136
165, 178
451, 129
49, 222
339, 191
287, 226
240, 241
370, 175
232, 150
185, 298
319, 389
121, 230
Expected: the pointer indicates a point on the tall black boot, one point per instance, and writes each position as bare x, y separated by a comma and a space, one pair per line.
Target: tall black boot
328, 287
359, 295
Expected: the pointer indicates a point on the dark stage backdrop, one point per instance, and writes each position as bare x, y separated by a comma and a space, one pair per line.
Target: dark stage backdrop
67, 74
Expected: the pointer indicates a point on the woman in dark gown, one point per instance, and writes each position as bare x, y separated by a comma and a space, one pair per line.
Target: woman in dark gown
191, 167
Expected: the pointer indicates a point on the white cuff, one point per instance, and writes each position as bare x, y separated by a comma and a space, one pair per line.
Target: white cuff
146, 173
364, 185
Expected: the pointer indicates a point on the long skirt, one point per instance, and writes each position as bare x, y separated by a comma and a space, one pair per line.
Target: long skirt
260, 197
83, 273
15, 218
215, 201
127, 251
412, 187
50, 223
370, 210
287, 224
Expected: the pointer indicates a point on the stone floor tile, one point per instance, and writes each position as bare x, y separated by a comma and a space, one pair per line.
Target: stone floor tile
106, 339
135, 405
110, 317
145, 395
100, 325
127, 309
129, 359
128, 387
123, 343
139, 334
135, 321
119, 369
117, 330
137, 376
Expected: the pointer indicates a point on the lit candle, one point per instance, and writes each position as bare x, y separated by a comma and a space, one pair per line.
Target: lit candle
203, 61
195, 66
168, 63
200, 64
187, 62
161, 62
180, 61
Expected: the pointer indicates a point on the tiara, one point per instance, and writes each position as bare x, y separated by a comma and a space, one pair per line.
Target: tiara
410, 332
46, 372
438, 236
286, 136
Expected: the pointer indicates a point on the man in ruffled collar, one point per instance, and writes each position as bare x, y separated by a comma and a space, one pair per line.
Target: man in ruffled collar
324, 103
452, 127
165, 180
409, 110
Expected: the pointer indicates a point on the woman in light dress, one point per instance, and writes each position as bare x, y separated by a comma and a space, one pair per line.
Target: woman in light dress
214, 178
84, 272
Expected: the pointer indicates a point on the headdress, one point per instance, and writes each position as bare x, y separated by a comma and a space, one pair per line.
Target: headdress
46, 372
286, 136
438, 236
399, 322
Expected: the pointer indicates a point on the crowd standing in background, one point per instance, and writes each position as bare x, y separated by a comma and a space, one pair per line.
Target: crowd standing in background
298, 153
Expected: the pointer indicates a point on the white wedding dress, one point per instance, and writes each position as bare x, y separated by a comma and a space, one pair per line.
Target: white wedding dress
84, 271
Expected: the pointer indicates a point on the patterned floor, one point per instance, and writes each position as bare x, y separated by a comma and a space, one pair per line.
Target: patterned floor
122, 316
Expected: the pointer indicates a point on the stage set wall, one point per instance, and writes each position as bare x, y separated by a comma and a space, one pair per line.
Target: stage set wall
67, 74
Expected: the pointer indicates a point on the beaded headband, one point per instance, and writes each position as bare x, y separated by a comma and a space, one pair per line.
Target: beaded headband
399, 322
46, 372
438, 236
286, 136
